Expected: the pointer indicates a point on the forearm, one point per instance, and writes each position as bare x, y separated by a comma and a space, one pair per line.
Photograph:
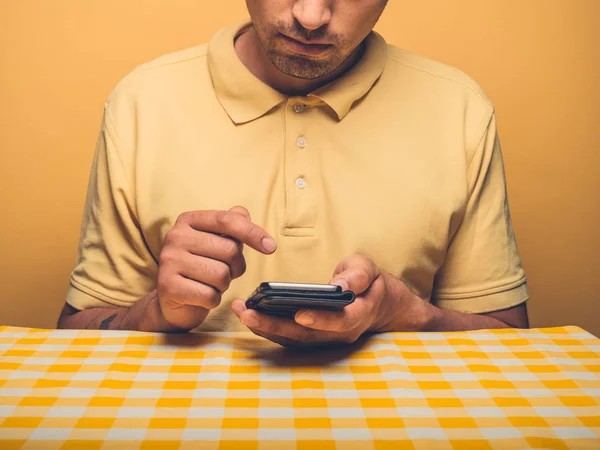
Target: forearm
408, 312
143, 315
446, 320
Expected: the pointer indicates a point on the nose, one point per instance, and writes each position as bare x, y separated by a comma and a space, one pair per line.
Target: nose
312, 14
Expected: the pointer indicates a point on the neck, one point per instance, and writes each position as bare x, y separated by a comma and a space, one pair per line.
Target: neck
253, 56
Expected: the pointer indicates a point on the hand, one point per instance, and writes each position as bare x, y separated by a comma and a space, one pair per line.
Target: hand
201, 255
383, 303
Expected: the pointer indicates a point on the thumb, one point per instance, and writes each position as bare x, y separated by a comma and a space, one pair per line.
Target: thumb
355, 273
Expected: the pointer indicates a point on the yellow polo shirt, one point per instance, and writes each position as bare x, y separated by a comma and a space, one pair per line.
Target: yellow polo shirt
397, 160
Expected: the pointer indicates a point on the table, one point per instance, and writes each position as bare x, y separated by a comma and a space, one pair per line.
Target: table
508, 389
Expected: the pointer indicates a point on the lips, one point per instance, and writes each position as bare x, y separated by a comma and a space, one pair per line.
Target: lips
311, 49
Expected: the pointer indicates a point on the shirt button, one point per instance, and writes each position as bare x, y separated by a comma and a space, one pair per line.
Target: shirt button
301, 142
300, 183
298, 108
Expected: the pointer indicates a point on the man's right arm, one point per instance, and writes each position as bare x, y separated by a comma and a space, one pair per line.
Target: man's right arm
200, 257
144, 315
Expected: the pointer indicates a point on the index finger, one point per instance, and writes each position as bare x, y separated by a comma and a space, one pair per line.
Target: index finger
231, 224
243, 212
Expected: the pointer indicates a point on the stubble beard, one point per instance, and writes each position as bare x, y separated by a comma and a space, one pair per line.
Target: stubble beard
299, 66
302, 67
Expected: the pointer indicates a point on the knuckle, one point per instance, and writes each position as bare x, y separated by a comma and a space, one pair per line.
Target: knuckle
169, 238
222, 275
357, 257
362, 276
173, 236
240, 210
166, 257
350, 260
211, 298
254, 231
224, 219
242, 267
183, 218
165, 286
230, 250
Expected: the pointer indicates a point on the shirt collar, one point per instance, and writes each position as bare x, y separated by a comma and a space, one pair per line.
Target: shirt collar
245, 98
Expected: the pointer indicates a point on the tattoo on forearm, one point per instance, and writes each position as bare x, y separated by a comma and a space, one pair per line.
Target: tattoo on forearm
106, 322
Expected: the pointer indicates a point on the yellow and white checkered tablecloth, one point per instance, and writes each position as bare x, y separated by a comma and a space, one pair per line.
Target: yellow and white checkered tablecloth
504, 389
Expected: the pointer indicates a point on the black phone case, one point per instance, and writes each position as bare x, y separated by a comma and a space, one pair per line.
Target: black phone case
287, 302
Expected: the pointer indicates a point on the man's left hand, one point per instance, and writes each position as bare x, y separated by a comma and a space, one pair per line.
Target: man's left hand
380, 301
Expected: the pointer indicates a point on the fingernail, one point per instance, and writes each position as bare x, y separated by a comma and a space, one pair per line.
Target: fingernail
340, 282
250, 321
269, 244
305, 318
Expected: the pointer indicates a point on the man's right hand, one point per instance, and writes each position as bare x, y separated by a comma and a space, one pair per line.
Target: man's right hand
201, 255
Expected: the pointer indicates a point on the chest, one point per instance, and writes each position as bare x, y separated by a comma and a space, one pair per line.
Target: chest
324, 188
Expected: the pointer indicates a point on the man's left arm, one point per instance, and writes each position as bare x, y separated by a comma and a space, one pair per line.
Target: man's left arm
429, 317
383, 304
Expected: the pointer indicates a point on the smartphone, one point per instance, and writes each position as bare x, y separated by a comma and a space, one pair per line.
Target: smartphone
285, 299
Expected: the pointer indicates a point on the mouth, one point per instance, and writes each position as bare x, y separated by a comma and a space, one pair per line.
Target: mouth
304, 48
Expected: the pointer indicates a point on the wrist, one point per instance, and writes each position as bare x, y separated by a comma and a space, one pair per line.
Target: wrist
405, 311
430, 317
146, 315
419, 314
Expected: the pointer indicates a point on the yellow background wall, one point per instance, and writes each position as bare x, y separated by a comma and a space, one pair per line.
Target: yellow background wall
538, 60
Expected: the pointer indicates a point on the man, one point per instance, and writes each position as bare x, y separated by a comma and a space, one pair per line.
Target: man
344, 154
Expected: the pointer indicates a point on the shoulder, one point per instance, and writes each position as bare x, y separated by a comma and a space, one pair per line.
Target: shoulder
172, 60
435, 74
144, 97
442, 93
160, 75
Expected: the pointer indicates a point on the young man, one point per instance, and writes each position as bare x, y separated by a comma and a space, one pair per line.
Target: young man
344, 154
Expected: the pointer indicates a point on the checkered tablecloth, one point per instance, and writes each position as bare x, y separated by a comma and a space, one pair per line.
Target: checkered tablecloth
503, 389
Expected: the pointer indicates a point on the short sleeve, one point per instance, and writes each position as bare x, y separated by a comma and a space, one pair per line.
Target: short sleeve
114, 265
482, 271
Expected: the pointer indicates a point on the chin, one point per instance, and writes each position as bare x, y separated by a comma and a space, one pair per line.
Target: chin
302, 67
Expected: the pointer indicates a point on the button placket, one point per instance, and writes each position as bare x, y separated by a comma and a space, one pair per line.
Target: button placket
300, 207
